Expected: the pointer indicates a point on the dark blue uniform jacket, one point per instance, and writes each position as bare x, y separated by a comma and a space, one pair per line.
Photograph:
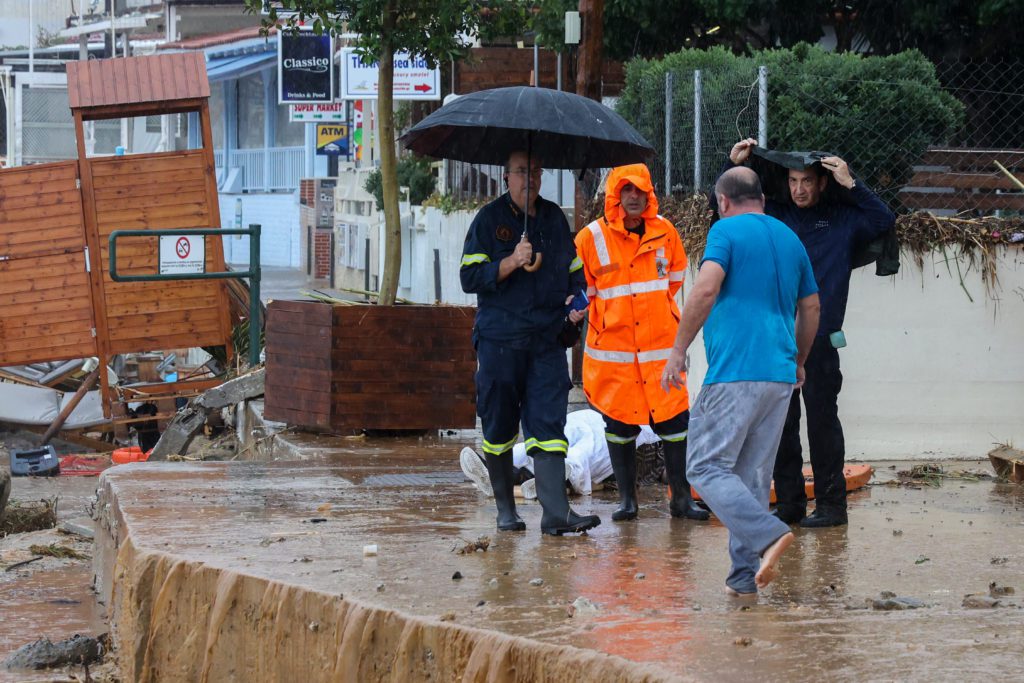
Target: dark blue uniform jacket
525, 308
830, 232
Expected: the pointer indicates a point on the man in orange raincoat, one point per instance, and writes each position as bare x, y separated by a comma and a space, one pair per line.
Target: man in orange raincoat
634, 263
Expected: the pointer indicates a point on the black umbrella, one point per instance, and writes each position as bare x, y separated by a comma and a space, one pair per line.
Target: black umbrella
563, 129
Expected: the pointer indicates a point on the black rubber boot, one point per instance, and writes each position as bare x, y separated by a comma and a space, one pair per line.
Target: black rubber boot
824, 517
623, 457
790, 514
681, 504
558, 517
500, 469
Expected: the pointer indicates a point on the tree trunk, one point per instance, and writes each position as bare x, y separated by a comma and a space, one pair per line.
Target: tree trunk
389, 164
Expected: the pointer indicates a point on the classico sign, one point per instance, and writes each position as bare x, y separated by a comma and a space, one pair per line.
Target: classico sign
304, 67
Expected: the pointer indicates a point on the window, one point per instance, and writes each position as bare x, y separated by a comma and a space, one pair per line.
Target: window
153, 124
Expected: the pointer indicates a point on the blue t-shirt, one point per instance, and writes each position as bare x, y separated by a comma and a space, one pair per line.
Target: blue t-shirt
750, 334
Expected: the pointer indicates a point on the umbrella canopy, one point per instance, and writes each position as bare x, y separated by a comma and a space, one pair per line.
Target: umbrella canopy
562, 129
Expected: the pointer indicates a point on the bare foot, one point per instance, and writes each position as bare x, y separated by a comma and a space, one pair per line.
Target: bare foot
733, 593
769, 570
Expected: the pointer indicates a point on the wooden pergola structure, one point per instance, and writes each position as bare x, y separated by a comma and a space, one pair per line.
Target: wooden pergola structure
57, 299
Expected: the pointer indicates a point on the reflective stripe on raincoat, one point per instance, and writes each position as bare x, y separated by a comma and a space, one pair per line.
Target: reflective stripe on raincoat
632, 282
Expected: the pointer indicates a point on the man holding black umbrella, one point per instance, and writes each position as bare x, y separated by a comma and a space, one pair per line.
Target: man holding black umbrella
520, 338
830, 232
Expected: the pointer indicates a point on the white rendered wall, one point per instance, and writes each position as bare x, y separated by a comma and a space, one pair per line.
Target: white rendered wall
278, 215
928, 373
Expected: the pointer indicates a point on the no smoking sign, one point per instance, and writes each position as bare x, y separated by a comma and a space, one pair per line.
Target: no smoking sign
182, 254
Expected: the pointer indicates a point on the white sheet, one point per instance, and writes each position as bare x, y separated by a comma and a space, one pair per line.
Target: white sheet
588, 450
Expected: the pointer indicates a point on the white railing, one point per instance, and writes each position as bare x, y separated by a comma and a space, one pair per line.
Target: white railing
265, 170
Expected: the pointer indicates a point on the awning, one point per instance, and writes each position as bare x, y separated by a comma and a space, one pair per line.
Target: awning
236, 66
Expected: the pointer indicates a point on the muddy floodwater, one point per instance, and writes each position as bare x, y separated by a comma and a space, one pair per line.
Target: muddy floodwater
52, 604
649, 591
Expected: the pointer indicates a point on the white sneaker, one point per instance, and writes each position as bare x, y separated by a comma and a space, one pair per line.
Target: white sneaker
529, 489
476, 471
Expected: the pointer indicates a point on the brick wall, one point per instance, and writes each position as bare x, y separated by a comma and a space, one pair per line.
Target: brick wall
322, 254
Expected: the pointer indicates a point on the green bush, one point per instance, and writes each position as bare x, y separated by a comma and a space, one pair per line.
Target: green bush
878, 113
413, 172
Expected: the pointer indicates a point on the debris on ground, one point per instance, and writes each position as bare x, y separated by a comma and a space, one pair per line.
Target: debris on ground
29, 516
888, 601
481, 544
978, 601
933, 474
1008, 463
582, 605
743, 641
995, 590
189, 421
77, 527
537, 582
54, 550
43, 654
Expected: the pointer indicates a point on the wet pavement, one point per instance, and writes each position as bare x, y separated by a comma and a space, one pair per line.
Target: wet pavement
648, 591
54, 604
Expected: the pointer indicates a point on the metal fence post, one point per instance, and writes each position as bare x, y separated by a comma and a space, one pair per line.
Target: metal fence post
668, 133
697, 104
254, 293
762, 106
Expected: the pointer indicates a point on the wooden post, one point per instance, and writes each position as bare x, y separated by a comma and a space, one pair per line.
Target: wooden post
588, 70
87, 384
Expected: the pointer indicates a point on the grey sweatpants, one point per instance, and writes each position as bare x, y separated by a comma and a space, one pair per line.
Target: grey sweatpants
735, 428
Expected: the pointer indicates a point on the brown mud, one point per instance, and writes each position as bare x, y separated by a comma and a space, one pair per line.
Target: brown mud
226, 571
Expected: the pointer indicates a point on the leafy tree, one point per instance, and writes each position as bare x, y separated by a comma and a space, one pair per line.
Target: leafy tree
414, 173
938, 28
435, 30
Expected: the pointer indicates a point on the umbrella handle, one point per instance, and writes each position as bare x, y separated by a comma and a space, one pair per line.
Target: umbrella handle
531, 267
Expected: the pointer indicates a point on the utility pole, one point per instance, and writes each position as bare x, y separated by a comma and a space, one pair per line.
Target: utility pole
588, 71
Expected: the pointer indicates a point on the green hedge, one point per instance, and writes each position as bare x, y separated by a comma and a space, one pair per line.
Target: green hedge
879, 113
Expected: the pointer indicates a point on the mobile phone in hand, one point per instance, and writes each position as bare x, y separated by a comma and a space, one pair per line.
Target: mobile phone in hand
579, 302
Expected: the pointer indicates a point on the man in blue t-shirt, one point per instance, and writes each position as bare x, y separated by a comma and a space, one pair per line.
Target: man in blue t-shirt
755, 273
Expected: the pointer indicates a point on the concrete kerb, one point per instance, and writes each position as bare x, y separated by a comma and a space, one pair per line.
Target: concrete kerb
179, 618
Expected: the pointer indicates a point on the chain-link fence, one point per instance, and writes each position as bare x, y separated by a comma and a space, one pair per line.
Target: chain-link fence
948, 138
47, 129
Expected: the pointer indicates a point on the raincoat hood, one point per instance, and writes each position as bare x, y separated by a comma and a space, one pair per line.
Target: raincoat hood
639, 175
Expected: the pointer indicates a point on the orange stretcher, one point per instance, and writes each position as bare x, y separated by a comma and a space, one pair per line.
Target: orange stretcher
857, 476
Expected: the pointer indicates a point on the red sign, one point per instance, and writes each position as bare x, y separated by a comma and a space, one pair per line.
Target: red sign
182, 247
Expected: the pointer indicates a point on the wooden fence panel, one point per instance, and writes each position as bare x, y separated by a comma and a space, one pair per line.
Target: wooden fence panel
158, 191
46, 309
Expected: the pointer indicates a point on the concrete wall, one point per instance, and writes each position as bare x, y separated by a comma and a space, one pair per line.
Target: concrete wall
432, 230
281, 244
928, 373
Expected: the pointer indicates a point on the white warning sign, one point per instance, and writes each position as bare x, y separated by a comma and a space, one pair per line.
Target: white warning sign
182, 254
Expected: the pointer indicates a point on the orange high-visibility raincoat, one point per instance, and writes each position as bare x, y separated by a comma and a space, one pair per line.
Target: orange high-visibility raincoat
632, 283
